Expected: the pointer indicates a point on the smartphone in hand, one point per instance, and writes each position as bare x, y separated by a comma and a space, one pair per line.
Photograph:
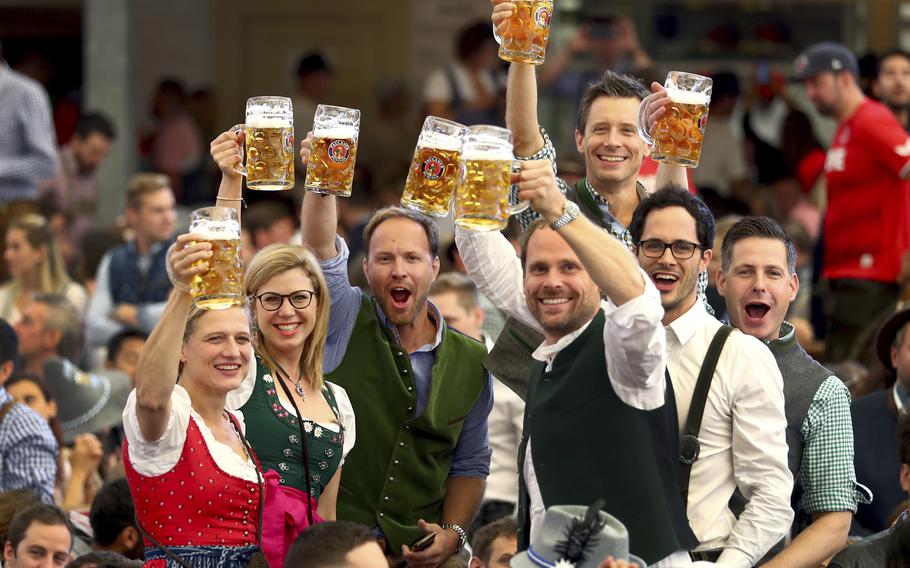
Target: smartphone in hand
423, 542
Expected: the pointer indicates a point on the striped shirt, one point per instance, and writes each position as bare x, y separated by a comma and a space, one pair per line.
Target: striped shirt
28, 146
28, 451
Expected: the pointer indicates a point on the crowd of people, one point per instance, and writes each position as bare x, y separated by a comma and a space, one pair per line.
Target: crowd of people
650, 366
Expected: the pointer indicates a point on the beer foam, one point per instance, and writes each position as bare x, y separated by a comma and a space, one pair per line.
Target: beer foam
487, 154
216, 230
268, 122
440, 141
336, 131
687, 97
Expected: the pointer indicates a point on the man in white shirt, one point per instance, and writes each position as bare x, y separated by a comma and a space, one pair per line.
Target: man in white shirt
599, 381
742, 435
457, 299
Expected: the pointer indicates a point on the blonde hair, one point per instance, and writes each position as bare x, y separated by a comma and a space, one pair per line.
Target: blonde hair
52, 276
143, 184
277, 259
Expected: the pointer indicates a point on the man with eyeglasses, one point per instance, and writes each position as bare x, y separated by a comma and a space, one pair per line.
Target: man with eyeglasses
731, 417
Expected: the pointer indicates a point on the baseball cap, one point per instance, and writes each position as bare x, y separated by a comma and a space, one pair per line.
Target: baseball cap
825, 56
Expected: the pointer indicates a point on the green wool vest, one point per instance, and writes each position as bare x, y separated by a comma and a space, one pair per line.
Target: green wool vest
397, 471
588, 444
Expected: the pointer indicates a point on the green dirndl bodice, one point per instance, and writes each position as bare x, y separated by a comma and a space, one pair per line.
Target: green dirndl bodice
275, 436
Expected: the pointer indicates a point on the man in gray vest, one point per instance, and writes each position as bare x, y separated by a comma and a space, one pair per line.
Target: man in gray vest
598, 386
758, 281
737, 439
417, 387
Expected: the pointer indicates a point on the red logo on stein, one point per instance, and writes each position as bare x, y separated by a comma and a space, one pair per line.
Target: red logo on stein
339, 150
432, 168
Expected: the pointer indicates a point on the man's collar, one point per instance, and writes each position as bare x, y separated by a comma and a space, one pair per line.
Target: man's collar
432, 313
687, 325
787, 335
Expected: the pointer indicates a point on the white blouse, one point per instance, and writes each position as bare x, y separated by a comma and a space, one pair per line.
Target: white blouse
157, 457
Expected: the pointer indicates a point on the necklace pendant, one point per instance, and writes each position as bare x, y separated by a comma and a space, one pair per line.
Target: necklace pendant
299, 388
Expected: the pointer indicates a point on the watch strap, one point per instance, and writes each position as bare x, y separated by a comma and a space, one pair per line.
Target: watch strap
462, 535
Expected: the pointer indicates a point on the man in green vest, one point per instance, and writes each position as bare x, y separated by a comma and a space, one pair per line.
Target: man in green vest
596, 422
758, 281
417, 387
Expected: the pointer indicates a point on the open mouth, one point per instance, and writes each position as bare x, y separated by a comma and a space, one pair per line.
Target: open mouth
664, 281
228, 368
757, 310
400, 297
287, 329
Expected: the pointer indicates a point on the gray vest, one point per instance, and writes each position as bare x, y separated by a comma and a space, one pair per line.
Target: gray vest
802, 376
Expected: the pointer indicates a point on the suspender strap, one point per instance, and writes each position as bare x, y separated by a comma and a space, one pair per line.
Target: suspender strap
587, 202
689, 447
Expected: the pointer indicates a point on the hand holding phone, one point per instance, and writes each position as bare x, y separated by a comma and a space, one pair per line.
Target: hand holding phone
423, 542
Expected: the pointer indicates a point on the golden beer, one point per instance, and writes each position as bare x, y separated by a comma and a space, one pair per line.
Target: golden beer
431, 181
269, 154
221, 286
482, 200
527, 32
331, 166
681, 130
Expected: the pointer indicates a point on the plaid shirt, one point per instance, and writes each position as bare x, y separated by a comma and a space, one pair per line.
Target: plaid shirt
28, 451
613, 226
28, 145
826, 472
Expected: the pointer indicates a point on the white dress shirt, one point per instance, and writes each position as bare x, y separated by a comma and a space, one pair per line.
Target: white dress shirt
742, 437
504, 427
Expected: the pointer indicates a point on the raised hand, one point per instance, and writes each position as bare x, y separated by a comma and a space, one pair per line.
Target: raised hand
227, 151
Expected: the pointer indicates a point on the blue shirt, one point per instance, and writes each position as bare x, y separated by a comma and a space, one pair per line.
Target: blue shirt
472, 452
28, 451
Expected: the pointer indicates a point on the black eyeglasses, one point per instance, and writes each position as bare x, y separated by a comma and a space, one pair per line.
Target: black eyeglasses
681, 250
271, 301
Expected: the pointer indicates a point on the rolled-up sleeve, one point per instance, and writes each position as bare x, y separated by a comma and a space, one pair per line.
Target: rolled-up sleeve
345, 303
472, 452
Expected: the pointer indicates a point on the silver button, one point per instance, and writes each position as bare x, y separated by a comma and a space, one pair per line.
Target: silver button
287, 452
407, 427
400, 353
381, 514
410, 389
385, 498
391, 478
410, 409
400, 444
404, 371
396, 462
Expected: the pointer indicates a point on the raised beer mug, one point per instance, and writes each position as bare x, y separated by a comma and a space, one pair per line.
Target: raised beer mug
331, 166
528, 29
221, 285
485, 183
434, 169
681, 130
269, 132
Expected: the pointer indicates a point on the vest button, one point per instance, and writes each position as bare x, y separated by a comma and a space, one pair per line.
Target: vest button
391, 478
404, 371
407, 427
385, 498
396, 462
400, 444
381, 514
410, 389
400, 353
410, 409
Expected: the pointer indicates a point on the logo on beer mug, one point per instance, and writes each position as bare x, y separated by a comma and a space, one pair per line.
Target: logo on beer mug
289, 142
542, 17
339, 150
702, 122
433, 168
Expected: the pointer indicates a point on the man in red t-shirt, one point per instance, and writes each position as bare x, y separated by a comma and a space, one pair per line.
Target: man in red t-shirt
867, 223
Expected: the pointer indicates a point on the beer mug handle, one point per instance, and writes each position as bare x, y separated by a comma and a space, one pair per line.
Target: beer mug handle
642, 127
516, 206
240, 168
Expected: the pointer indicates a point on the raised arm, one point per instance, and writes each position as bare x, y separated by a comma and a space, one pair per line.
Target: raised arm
318, 215
608, 261
655, 106
521, 94
156, 373
227, 151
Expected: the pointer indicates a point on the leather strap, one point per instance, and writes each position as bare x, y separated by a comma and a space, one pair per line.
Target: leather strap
688, 442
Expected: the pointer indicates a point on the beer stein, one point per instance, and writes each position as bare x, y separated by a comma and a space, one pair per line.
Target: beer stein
525, 38
434, 169
485, 183
221, 285
331, 166
269, 130
681, 130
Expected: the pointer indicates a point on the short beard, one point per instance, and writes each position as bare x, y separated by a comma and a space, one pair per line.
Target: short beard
405, 318
571, 322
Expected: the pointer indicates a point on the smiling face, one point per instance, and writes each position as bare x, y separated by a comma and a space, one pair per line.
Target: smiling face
757, 286
217, 353
560, 294
286, 329
674, 278
400, 269
612, 149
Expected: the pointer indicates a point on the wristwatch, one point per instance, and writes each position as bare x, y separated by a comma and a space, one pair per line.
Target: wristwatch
462, 535
570, 212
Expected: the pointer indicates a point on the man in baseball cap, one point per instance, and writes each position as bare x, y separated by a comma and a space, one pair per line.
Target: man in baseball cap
867, 222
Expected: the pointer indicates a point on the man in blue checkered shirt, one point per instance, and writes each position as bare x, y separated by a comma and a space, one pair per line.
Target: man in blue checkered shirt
28, 450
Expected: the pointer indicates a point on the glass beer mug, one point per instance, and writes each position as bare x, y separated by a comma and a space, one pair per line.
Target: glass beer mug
482, 195
331, 166
528, 29
434, 169
221, 286
681, 130
269, 132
